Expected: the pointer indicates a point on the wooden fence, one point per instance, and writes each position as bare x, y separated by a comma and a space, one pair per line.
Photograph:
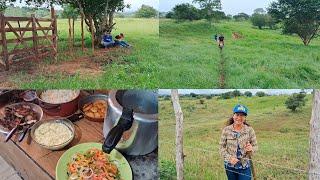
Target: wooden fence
33, 25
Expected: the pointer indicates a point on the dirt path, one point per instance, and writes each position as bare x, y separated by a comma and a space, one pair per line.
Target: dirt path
84, 66
222, 70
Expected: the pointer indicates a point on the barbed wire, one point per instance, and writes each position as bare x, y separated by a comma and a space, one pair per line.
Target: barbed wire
258, 161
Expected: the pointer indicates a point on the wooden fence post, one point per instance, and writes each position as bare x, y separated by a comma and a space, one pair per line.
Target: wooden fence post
314, 163
34, 36
4, 41
179, 133
54, 33
92, 34
69, 38
82, 32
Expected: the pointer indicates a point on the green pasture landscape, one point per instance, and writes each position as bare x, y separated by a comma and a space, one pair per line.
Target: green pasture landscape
261, 59
134, 68
283, 137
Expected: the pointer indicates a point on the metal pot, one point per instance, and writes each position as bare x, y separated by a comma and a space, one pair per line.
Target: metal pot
140, 134
60, 110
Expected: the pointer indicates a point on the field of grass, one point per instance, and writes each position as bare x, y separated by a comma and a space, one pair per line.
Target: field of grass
283, 137
262, 59
132, 69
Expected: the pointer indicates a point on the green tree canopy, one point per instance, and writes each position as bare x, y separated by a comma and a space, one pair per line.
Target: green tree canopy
185, 11
301, 17
295, 101
209, 6
146, 11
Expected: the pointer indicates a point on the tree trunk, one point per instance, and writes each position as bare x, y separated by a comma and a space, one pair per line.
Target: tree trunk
314, 164
179, 134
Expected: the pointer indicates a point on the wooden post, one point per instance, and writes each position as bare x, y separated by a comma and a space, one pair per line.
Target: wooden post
4, 41
34, 36
54, 33
69, 38
179, 133
92, 34
72, 32
314, 163
82, 32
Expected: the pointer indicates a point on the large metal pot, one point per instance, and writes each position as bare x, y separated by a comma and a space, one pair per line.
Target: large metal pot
60, 110
142, 137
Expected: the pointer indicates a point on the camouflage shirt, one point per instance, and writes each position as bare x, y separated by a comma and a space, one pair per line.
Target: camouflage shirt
230, 141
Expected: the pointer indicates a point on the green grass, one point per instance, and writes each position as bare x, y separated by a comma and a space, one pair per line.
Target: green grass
283, 137
262, 59
134, 69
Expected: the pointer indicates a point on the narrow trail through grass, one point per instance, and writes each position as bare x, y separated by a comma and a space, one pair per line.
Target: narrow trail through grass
222, 70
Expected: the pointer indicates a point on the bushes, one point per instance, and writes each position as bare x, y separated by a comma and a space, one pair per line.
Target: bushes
296, 101
261, 94
248, 94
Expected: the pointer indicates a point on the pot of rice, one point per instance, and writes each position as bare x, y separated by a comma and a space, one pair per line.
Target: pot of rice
60, 103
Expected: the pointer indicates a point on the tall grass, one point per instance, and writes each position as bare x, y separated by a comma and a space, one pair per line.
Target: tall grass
262, 59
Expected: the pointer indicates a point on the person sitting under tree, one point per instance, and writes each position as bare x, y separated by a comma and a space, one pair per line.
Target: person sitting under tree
122, 42
106, 40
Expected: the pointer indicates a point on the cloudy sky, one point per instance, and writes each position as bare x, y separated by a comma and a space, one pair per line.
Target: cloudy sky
228, 6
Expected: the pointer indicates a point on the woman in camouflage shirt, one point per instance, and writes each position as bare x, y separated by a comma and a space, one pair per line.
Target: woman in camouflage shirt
238, 140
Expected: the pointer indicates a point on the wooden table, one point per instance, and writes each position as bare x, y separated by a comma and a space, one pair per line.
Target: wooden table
35, 162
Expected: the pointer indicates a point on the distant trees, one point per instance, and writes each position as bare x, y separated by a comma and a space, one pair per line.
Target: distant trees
260, 94
261, 19
295, 101
301, 17
146, 11
241, 17
189, 12
209, 7
248, 94
2, 6
185, 11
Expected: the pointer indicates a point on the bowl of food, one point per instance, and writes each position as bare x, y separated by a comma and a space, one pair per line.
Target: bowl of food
61, 103
53, 134
94, 107
19, 114
88, 161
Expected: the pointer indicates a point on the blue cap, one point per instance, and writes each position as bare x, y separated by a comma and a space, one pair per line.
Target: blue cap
240, 109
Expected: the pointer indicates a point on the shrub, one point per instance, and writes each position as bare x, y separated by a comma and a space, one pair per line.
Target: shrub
296, 101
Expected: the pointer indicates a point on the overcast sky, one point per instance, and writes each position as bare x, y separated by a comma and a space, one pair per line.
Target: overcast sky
135, 4
228, 6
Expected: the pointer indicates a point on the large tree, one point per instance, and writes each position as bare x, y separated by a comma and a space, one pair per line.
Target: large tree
101, 12
301, 17
185, 11
209, 6
146, 11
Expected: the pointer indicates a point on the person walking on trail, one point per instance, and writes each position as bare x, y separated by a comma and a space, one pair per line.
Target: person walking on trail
221, 41
238, 141
216, 37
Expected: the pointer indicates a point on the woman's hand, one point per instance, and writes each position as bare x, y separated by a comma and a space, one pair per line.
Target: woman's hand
233, 160
248, 147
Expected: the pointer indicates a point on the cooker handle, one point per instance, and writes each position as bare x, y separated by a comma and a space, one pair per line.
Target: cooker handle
115, 134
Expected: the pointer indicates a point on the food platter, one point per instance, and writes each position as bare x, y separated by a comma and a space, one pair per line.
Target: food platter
120, 161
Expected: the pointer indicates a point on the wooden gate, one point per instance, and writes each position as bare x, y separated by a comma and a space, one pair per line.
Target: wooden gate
33, 25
